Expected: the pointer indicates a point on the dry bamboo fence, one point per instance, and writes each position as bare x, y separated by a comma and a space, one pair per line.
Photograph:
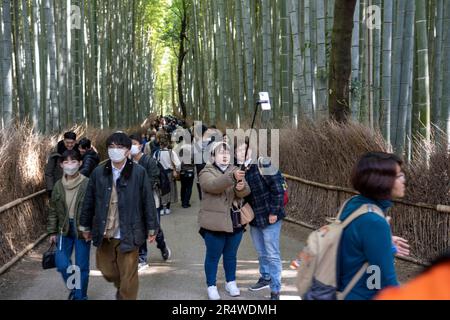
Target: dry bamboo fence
22, 222
427, 227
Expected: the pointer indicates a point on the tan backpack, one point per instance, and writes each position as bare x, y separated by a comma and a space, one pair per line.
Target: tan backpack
317, 273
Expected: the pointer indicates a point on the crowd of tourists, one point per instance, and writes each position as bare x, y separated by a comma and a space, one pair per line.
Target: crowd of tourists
116, 205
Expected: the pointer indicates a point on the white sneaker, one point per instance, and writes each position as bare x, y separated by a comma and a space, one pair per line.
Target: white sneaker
168, 211
142, 266
232, 289
213, 294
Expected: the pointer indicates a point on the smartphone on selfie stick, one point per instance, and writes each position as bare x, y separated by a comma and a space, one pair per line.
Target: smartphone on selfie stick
264, 102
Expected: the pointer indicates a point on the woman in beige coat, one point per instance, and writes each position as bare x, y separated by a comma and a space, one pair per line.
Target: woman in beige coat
221, 183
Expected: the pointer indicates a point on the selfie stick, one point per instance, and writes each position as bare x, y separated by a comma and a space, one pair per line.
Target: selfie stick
258, 103
251, 129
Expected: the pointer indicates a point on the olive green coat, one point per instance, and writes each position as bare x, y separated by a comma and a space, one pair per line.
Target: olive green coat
58, 213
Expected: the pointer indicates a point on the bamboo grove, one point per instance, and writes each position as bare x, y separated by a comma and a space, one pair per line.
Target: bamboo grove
400, 62
75, 61
103, 63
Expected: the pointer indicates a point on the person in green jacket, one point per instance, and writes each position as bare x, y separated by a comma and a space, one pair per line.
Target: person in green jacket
63, 220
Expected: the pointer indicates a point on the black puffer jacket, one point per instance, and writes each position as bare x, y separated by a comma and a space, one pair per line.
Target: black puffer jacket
90, 162
137, 210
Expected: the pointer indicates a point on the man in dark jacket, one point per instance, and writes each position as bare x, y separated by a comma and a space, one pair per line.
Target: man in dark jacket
53, 169
151, 166
267, 202
90, 158
119, 214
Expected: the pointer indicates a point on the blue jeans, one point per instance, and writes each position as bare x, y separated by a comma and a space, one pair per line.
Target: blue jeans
216, 246
267, 245
63, 260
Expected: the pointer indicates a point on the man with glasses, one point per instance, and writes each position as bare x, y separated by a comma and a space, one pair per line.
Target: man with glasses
119, 215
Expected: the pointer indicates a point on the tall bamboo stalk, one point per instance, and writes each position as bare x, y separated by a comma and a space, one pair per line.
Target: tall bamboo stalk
18, 70
377, 72
6, 77
322, 74
298, 79
423, 76
437, 64
405, 82
355, 83
446, 68
397, 67
267, 51
36, 67
308, 61
387, 70
248, 50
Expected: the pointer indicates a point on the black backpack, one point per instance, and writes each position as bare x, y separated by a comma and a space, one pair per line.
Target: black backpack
164, 182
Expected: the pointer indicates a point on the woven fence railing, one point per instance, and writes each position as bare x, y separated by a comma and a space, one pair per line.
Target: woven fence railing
22, 222
426, 226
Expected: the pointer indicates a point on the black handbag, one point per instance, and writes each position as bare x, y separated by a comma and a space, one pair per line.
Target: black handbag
235, 217
48, 258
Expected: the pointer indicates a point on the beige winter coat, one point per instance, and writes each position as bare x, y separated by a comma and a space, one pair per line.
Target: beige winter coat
218, 191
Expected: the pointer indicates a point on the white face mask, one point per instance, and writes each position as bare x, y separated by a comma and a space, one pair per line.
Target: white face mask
71, 169
135, 150
117, 155
152, 139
